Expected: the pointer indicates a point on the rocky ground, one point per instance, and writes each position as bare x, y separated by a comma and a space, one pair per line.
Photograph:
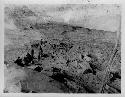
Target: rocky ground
55, 57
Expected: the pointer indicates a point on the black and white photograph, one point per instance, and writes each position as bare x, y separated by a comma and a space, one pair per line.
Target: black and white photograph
62, 48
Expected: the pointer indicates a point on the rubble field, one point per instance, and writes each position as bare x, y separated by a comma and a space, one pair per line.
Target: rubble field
55, 57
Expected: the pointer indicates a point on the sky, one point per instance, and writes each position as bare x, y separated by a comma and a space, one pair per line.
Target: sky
96, 16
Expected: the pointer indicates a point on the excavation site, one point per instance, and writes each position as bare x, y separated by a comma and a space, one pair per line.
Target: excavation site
62, 48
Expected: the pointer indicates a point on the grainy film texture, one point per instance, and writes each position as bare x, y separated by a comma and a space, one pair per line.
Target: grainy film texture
63, 48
